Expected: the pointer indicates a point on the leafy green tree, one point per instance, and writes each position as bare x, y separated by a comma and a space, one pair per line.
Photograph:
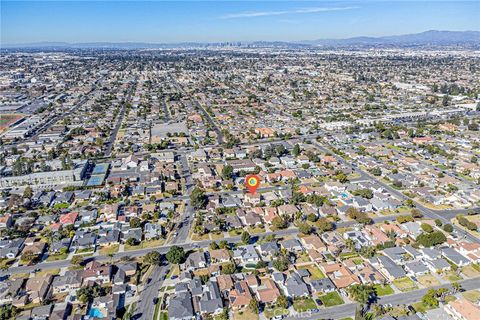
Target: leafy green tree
87, 293
430, 298
466, 223
153, 258
131, 242
296, 150
223, 244
323, 225
312, 217
246, 237
135, 222
253, 305
362, 293
416, 214
28, 192
341, 177
456, 287
223, 315
198, 199
279, 223
175, 255
282, 302
8, 312
280, 150
213, 245
360, 217
409, 203
227, 172
228, 268
431, 239
426, 227
305, 228
281, 263
448, 228
364, 193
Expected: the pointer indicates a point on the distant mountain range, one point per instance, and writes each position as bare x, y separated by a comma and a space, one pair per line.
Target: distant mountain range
433, 38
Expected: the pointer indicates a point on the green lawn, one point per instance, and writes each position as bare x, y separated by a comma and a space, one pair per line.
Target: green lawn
146, 244
157, 310
404, 284
56, 257
304, 304
235, 232
315, 272
44, 272
348, 255
331, 299
5, 263
255, 230
383, 290
163, 316
85, 250
420, 307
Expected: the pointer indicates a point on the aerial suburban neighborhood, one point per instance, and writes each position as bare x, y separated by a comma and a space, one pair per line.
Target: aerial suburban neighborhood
124, 192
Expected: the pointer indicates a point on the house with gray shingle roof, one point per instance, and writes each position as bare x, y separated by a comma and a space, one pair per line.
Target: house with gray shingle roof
180, 307
295, 286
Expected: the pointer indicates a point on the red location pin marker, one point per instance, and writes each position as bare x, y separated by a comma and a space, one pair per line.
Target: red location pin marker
252, 182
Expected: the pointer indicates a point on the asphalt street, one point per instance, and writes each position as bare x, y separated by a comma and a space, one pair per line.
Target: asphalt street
118, 125
348, 310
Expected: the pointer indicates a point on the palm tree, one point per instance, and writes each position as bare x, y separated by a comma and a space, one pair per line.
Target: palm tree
350, 244
456, 287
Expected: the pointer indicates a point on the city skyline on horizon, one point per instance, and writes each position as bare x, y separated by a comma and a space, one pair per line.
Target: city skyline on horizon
227, 21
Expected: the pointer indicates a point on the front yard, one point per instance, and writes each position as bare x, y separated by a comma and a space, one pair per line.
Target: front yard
451, 276
146, 244
405, 284
256, 230
244, 315
472, 295
109, 249
274, 311
57, 257
304, 304
428, 280
471, 271
383, 290
331, 299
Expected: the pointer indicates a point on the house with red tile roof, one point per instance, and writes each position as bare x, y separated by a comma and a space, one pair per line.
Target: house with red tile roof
68, 218
340, 275
240, 296
268, 292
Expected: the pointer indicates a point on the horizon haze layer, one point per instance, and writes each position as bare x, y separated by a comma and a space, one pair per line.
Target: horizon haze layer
226, 21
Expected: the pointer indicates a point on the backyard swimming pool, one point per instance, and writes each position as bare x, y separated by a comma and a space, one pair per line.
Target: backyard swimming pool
95, 312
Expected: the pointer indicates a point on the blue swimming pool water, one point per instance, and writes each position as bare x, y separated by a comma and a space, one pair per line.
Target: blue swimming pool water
95, 312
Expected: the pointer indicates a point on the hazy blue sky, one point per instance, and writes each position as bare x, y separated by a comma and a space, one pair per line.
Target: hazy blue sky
203, 21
